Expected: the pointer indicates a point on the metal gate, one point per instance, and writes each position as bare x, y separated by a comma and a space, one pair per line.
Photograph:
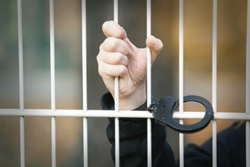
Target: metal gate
85, 112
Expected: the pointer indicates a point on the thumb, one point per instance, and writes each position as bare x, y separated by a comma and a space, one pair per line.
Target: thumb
155, 45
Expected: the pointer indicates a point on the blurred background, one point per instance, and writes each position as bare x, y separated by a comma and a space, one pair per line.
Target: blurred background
132, 16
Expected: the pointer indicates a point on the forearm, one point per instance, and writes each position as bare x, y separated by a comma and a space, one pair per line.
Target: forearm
133, 140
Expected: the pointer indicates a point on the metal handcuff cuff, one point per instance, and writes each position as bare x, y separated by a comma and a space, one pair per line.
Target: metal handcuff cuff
163, 111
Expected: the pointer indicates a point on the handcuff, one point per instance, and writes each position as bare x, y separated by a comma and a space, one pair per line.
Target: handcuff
164, 108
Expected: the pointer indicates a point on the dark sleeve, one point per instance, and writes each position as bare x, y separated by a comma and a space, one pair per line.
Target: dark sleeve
133, 140
230, 149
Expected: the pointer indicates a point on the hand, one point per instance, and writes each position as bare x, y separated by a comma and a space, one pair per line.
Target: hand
118, 57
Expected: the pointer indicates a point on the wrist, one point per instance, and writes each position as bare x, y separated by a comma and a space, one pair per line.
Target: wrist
135, 100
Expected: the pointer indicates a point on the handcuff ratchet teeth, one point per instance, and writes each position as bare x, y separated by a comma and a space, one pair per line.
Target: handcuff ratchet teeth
163, 111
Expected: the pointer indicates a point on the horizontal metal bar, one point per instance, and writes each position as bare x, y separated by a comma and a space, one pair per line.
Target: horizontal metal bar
120, 114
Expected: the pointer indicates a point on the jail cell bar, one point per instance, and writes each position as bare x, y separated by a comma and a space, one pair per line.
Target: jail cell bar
149, 91
52, 84
248, 86
21, 88
149, 147
214, 83
84, 82
116, 88
181, 77
53, 113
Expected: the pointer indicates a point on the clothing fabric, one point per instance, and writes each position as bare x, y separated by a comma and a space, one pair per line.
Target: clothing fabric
133, 144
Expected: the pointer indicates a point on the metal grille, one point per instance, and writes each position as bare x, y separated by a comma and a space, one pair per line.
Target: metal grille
85, 112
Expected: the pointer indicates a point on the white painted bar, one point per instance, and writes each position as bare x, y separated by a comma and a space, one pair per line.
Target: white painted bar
149, 91
53, 141
181, 146
149, 86
117, 142
22, 142
20, 53
248, 86
85, 141
21, 87
52, 55
181, 77
247, 143
52, 78
214, 142
84, 82
117, 132
116, 11
214, 83
120, 114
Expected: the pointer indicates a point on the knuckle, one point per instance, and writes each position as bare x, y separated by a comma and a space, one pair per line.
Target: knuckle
102, 71
111, 43
123, 71
118, 58
98, 57
101, 47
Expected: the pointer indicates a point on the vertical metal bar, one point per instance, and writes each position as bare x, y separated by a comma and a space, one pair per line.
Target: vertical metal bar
20, 53
53, 141
85, 142
181, 77
149, 142
52, 54
149, 129
214, 142
116, 11
117, 138
21, 87
52, 79
247, 143
117, 142
84, 82
22, 142
214, 82
247, 86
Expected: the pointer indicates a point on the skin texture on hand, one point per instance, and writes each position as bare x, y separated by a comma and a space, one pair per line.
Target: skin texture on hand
118, 57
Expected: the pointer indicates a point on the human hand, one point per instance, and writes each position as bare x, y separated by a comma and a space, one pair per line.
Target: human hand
118, 57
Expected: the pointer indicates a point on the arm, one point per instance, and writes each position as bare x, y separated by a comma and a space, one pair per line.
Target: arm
133, 140
118, 57
230, 149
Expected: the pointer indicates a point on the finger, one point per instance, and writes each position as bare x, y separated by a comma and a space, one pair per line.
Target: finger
112, 29
106, 70
112, 44
155, 45
112, 58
